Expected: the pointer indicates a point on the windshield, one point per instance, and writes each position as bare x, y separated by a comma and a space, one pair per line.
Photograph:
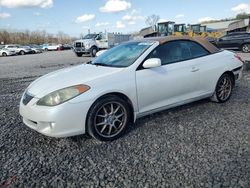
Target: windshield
123, 55
90, 36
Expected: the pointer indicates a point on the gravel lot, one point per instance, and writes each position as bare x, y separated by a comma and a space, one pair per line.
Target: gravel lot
202, 144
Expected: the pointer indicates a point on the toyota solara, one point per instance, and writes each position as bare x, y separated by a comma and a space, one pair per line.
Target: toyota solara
101, 98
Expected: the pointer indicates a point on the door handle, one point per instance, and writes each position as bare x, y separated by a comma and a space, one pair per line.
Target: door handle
194, 69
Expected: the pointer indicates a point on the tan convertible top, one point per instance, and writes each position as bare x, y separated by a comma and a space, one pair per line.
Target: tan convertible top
203, 42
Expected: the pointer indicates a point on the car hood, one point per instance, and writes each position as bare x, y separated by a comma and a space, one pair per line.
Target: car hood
87, 41
81, 74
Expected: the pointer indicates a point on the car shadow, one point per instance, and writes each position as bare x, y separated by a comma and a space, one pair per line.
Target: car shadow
162, 114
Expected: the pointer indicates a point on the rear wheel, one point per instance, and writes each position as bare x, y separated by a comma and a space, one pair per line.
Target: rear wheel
223, 89
246, 48
108, 118
4, 54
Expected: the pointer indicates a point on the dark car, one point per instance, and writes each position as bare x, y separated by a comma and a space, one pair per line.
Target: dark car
66, 47
234, 41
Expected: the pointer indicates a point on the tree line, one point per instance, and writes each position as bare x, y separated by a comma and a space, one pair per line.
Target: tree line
33, 37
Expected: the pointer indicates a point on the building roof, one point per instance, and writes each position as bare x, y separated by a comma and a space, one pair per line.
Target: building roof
203, 42
238, 24
218, 25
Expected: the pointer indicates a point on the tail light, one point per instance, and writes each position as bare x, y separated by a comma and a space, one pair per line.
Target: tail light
238, 57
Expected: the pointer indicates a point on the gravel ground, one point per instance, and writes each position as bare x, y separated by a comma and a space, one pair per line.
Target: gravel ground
202, 144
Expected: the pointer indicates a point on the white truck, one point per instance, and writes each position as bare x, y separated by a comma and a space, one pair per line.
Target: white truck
92, 43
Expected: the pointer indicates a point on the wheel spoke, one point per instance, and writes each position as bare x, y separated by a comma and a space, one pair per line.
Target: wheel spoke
102, 123
117, 120
111, 108
118, 116
110, 129
103, 116
105, 110
221, 93
104, 127
116, 110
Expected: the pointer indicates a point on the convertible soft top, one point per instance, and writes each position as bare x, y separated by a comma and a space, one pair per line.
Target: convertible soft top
203, 42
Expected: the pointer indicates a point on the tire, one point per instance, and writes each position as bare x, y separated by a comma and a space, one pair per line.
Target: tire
79, 54
93, 51
223, 90
22, 52
108, 118
245, 48
46, 49
4, 54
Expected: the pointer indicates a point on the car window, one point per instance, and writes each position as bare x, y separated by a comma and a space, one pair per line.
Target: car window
227, 37
196, 49
175, 51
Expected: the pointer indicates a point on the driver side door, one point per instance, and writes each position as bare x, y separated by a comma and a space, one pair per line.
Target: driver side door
175, 81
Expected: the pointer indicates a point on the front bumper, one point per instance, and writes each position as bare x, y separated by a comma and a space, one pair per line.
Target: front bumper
11, 53
81, 50
64, 120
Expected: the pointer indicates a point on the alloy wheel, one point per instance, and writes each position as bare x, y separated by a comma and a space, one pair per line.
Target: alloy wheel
224, 88
110, 119
246, 48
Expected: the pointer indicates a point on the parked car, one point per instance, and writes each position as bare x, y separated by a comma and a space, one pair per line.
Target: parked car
66, 47
36, 49
21, 50
235, 41
6, 52
127, 82
51, 46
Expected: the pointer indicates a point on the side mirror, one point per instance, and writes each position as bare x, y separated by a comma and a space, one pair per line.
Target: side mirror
100, 52
98, 37
151, 63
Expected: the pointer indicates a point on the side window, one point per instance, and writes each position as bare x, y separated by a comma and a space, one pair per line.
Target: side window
172, 52
197, 50
176, 51
228, 37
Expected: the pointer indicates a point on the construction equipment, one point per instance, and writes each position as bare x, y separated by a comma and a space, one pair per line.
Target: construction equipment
180, 29
170, 28
160, 29
165, 28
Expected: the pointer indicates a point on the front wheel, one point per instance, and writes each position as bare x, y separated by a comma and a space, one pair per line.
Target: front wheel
4, 54
223, 90
79, 54
246, 48
21, 52
108, 118
93, 51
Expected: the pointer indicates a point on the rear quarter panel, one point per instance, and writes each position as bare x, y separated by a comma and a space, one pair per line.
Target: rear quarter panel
213, 66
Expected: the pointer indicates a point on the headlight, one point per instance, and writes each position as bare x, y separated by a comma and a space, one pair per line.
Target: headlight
87, 45
62, 95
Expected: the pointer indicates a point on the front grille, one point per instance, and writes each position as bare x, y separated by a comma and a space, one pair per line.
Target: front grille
27, 98
78, 45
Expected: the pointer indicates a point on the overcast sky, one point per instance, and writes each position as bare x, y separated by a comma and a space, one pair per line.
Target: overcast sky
76, 16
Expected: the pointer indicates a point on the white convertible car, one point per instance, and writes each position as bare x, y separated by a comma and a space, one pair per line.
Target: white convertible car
127, 82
